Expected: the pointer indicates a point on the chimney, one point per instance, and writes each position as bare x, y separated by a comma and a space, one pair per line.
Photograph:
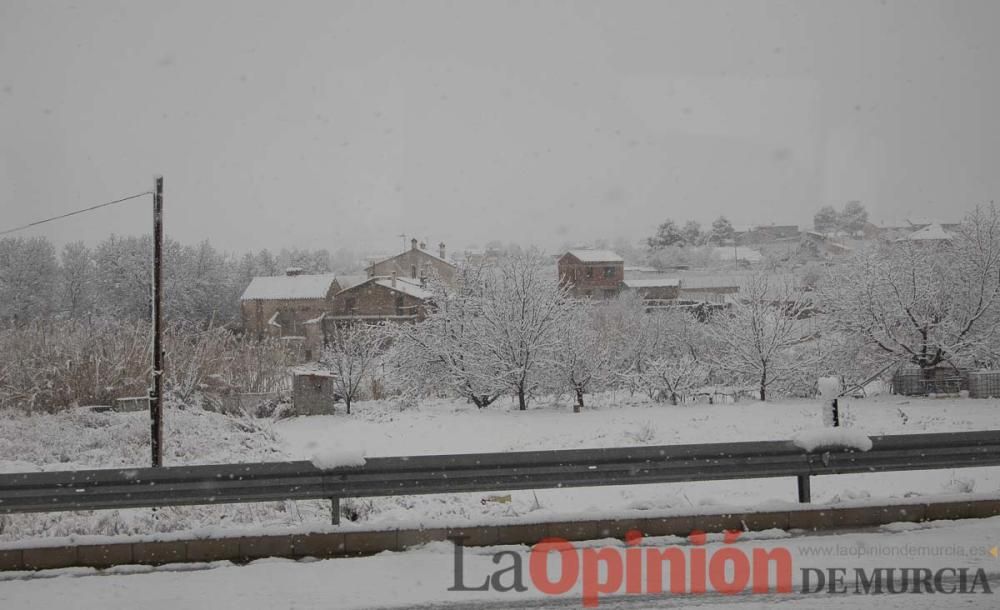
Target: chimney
393, 279
441, 249
293, 271
413, 244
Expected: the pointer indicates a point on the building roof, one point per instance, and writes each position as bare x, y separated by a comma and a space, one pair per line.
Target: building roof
348, 281
727, 253
404, 285
932, 232
597, 256
405, 288
405, 252
662, 282
287, 287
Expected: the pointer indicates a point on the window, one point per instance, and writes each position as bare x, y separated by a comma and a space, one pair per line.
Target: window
413, 271
399, 304
350, 305
609, 272
590, 273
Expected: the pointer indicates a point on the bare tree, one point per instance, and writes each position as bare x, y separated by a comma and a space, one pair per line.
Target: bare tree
756, 336
523, 308
351, 355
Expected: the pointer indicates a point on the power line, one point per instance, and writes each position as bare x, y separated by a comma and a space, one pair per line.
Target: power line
90, 209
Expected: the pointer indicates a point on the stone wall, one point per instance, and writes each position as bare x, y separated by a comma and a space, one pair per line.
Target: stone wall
292, 315
313, 394
370, 300
414, 264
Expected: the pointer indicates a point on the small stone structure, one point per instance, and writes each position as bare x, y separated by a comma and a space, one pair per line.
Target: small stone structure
313, 393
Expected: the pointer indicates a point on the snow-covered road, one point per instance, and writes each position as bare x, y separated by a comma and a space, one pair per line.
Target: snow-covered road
421, 578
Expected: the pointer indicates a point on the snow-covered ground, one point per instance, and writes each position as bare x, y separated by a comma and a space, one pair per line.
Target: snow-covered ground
421, 578
381, 429
78, 439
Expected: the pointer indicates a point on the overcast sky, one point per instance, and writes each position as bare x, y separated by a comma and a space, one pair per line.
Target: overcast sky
329, 124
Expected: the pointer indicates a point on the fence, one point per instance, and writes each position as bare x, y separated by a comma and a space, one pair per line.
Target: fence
913, 381
984, 384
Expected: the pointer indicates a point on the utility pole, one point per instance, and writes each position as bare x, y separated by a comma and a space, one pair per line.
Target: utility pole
156, 392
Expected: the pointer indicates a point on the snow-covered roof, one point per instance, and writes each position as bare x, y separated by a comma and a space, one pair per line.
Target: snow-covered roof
282, 287
640, 269
740, 252
405, 287
597, 256
427, 253
932, 232
662, 282
348, 281
403, 284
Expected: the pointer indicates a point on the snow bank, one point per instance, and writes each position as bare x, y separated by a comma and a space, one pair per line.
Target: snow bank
829, 387
832, 438
338, 458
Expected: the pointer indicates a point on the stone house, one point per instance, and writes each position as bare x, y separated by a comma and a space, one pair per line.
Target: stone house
381, 299
279, 306
592, 273
416, 264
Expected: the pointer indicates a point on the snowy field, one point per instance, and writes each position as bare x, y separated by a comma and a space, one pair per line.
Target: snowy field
420, 578
617, 421
76, 440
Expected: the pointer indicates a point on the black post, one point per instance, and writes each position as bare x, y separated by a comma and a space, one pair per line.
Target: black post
805, 495
335, 511
835, 410
156, 392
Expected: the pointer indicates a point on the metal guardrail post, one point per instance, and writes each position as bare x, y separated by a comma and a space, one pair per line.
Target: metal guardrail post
805, 495
335, 511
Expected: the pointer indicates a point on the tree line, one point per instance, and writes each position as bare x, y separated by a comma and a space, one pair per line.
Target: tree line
112, 279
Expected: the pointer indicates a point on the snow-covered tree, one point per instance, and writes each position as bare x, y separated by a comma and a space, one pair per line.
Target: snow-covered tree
583, 356
923, 302
76, 280
635, 338
447, 348
722, 231
692, 233
523, 309
352, 355
826, 220
757, 334
667, 234
852, 218
681, 365
28, 277
123, 277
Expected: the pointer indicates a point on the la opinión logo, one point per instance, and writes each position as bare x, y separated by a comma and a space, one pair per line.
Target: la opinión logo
606, 570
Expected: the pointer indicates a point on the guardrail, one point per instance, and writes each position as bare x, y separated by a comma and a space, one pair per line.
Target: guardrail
482, 472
